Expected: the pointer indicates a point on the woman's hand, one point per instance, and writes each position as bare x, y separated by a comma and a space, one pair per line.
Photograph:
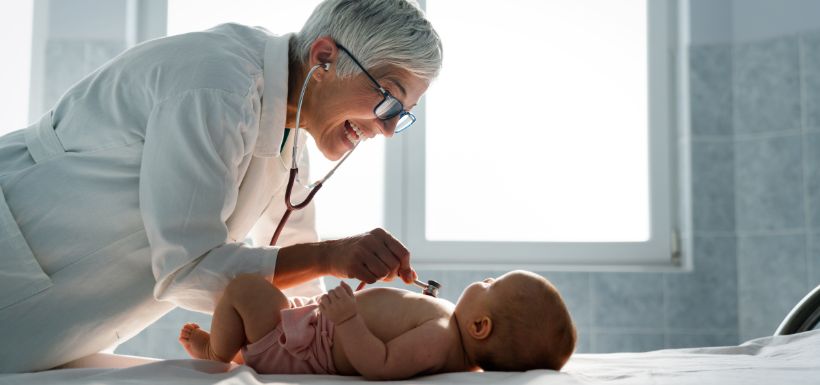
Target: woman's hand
339, 304
369, 257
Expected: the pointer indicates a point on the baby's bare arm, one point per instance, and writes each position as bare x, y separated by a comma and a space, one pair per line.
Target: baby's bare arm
422, 349
416, 351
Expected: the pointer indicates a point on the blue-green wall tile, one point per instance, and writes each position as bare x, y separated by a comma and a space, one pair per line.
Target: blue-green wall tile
766, 86
705, 298
812, 174
629, 300
771, 279
684, 340
810, 67
769, 183
584, 343
613, 342
713, 207
814, 260
711, 89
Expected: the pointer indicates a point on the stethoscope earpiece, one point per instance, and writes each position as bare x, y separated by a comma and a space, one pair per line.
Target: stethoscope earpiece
326, 66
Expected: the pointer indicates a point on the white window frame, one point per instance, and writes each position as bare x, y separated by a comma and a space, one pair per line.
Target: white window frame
145, 20
405, 188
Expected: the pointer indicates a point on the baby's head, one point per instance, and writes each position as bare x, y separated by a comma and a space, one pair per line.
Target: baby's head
515, 322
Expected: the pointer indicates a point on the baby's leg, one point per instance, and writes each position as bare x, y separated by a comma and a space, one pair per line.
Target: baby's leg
248, 310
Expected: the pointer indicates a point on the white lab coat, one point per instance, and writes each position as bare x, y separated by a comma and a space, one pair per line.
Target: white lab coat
136, 192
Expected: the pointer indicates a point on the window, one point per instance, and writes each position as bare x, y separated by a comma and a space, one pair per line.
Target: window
545, 142
15, 37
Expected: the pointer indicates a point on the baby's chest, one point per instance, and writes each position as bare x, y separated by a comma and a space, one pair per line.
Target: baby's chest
387, 320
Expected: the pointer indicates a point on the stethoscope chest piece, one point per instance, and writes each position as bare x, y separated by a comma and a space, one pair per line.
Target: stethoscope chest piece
431, 288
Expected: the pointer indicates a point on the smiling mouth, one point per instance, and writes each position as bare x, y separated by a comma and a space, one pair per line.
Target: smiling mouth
353, 133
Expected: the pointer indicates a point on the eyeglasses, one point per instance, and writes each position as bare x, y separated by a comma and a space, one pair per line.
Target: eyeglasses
389, 107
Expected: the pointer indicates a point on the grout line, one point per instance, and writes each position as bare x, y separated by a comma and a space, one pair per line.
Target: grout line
671, 332
801, 61
746, 136
766, 233
665, 305
734, 193
593, 300
714, 234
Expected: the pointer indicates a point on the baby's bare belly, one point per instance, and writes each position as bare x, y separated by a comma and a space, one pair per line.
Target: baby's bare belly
388, 313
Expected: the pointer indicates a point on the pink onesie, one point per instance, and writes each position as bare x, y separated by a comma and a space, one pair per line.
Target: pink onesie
300, 344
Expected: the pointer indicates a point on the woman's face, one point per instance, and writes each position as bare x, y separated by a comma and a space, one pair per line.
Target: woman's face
341, 110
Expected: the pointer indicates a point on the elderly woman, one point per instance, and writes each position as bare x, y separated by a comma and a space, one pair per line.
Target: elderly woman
135, 194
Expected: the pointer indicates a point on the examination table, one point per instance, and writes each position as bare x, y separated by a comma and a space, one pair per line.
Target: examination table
792, 356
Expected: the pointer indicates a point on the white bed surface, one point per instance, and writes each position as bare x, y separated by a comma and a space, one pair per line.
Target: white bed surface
771, 360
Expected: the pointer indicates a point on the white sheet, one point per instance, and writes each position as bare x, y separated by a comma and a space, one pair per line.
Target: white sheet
771, 360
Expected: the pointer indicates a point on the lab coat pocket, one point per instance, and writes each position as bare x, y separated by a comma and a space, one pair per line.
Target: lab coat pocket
20, 274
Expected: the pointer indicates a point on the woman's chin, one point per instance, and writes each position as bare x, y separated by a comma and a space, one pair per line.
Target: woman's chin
332, 154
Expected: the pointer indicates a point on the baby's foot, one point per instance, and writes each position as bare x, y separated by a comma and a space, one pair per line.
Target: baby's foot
195, 341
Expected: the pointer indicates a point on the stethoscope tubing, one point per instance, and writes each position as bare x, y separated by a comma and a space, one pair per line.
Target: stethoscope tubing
294, 169
290, 207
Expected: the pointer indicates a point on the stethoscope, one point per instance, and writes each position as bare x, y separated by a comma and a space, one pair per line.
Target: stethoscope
294, 169
431, 288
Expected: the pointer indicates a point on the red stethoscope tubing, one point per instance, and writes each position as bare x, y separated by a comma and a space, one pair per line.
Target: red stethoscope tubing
290, 206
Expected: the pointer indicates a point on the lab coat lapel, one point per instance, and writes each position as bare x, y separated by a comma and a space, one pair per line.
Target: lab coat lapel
274, 96
265, 175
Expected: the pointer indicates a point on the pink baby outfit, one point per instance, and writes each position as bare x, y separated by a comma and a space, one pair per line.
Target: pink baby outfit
300, 344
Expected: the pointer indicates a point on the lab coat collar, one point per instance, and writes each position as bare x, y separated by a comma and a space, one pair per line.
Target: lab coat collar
274, 96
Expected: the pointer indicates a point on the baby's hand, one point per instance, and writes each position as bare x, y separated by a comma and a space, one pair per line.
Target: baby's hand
339, 304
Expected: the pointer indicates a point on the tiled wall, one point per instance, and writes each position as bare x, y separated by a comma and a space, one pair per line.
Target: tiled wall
755, 160
756, 168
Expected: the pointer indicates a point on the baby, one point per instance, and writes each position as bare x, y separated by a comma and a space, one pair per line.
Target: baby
515, 322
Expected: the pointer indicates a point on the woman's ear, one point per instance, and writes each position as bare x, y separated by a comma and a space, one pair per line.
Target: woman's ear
323, 51
480, 328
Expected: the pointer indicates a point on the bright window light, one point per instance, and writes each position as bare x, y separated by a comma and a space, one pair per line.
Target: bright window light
353, 199
277, 16
15, 70
537, 129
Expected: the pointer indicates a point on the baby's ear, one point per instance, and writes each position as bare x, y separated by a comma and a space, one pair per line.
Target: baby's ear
481, 327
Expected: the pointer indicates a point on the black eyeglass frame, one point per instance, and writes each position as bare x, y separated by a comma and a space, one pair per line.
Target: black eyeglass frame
385, 94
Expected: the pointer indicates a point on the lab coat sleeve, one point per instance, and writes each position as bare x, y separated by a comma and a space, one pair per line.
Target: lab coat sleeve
189, 181
301, 226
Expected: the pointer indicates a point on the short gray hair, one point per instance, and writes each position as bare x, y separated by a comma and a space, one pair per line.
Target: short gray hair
377, 33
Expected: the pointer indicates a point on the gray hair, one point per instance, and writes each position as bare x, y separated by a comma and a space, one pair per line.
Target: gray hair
377, 33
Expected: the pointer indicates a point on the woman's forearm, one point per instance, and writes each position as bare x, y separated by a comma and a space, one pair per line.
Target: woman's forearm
300, 263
